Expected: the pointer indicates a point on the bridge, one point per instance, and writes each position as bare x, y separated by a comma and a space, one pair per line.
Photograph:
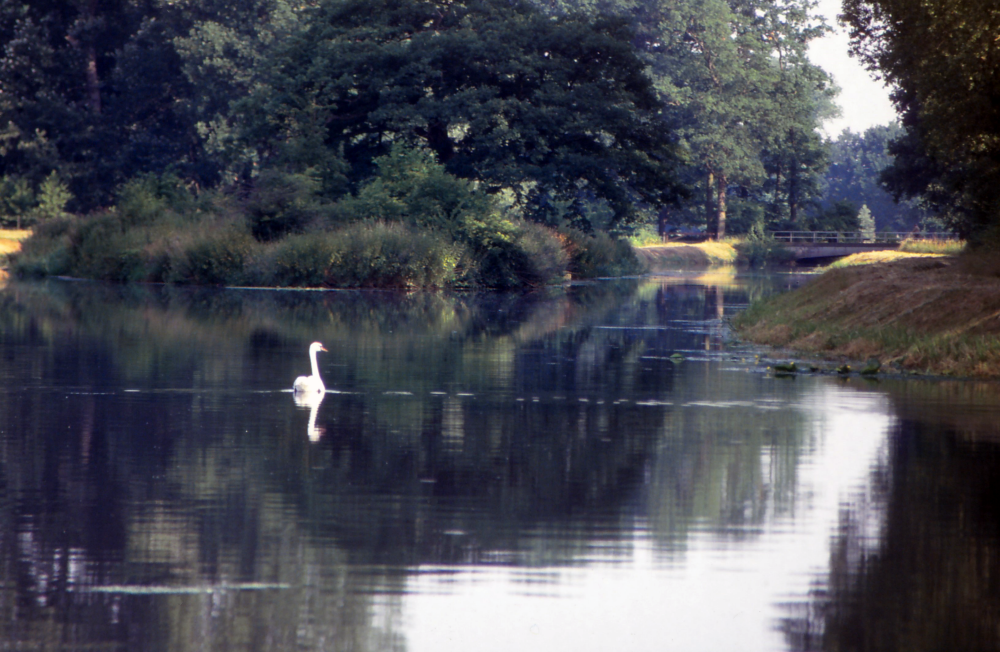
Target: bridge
816, 245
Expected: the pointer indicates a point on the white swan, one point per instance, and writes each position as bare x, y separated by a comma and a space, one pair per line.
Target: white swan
312, 384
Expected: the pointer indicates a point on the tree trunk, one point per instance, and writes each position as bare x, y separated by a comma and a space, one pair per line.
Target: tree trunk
793, 206
720, 221
93, 81
710, 204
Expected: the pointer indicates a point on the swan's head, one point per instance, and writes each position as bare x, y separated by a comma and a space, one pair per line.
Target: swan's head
316, 346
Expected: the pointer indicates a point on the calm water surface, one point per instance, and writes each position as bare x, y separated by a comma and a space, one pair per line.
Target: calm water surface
595, 468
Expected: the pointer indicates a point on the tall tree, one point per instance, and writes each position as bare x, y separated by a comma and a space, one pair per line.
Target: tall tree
856, 164
734, 74
943, 58
558, 111
93, 90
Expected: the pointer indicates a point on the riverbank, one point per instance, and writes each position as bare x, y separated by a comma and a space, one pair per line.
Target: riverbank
10, 243
934, 315
674, 256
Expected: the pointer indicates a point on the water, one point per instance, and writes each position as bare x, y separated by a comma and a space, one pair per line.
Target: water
584, 469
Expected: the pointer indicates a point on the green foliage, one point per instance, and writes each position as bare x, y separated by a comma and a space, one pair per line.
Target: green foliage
856, 164
213, 257
735, 76
500, 93
599, 255
282, 203
941, 55
412, 187
841, 216
53, 195
16, 200
866, 223
374, 254
759, 249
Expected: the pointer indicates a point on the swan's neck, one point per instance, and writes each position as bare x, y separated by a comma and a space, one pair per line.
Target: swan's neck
312, 361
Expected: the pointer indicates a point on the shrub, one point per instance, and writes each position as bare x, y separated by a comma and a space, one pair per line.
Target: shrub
146, 199
282, 203
598, 254
213, 256
47, 251
758, 249
16, 200
376, 254
53, 195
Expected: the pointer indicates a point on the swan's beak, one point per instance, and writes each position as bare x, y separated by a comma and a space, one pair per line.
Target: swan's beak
323, 349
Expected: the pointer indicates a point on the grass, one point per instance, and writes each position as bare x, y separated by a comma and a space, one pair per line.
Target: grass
10, 243
933, 246
877, 257
923, 314
10, 240
676, 255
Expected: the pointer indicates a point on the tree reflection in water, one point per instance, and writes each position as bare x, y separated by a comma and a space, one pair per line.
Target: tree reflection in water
147, 442
915, 564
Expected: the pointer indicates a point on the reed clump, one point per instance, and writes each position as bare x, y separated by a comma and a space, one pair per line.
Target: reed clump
932, 246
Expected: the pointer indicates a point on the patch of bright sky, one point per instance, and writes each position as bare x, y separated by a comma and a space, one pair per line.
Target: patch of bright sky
863, 101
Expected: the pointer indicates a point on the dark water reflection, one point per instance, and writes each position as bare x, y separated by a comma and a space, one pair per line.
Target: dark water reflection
533, 471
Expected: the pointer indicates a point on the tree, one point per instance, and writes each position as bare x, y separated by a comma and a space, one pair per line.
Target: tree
94, 91
558, 112
943, 59
856, 165
735, 76
866, 223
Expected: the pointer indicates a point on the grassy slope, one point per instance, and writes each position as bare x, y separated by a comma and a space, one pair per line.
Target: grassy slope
923, 314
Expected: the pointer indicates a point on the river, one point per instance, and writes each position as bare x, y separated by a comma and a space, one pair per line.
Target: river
596, 467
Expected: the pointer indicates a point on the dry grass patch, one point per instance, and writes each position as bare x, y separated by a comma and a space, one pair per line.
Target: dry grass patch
874, 257
678, 256
10, 240
927, 314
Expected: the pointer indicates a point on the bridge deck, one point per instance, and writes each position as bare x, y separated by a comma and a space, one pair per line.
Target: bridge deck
807, 245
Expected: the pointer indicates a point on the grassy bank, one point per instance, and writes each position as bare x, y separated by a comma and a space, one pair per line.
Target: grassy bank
10, 243
923, 314
677, 256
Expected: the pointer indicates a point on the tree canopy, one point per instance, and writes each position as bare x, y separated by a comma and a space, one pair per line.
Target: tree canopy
599, 114
943, 59
559, 112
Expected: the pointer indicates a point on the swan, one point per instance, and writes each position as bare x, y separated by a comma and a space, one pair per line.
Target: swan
313, 384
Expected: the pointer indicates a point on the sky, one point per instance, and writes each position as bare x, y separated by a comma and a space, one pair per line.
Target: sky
864, 102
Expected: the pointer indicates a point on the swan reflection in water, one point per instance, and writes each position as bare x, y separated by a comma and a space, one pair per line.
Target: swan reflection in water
312, 401
308, 391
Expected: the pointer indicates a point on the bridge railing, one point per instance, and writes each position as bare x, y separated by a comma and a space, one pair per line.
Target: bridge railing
818, 237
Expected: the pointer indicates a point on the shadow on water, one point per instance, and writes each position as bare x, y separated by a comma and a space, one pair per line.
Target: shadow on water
915, 561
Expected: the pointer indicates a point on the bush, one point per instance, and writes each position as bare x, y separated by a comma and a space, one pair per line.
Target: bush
282, 203
16, 201
374, 254
599, 255
146, 199
53, 195
759, 249
47, 251
214, 256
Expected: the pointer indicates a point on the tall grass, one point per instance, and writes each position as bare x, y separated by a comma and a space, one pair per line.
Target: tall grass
932, 246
